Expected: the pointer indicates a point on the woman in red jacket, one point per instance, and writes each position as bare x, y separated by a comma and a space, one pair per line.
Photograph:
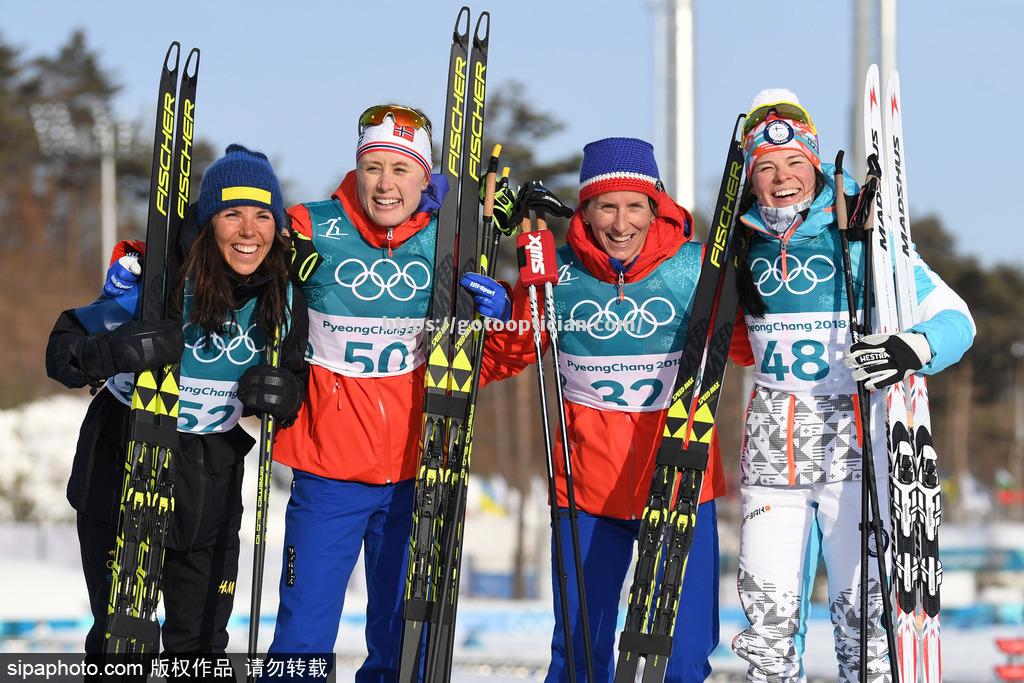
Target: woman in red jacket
354, 446
626, 283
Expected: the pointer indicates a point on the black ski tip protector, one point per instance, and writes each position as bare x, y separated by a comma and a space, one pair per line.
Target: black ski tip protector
645, 643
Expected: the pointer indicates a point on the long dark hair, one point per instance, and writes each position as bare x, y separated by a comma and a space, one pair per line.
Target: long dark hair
212, 287
750, 298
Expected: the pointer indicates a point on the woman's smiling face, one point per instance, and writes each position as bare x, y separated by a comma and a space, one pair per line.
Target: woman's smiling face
782, 178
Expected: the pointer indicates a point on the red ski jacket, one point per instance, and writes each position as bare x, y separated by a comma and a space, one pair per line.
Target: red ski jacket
605, 444
363, 429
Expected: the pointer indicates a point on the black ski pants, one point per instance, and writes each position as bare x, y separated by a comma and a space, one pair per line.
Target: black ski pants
198, 589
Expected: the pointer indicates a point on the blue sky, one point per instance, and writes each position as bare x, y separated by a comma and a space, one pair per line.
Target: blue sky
290, 78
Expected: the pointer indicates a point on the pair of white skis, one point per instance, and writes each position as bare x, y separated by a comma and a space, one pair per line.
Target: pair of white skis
913, 482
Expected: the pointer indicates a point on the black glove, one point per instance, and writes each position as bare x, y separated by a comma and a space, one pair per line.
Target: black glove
880, 360
305, 258
263, 389
860, 206
133, 347
533, 196
504, 203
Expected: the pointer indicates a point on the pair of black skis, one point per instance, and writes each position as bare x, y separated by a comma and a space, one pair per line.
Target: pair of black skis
147, 497
670, 516
453, 368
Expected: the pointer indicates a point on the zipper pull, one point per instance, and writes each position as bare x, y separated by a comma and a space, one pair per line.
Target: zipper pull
622, 281
785, 270
391, 234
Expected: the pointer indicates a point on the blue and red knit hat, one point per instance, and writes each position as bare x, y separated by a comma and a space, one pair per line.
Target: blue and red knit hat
617, 164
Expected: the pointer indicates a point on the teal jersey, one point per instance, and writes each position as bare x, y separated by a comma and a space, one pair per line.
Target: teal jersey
621, 352
211, 366
367, 308
800, 342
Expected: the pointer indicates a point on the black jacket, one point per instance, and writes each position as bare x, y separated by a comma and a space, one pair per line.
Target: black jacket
207, 468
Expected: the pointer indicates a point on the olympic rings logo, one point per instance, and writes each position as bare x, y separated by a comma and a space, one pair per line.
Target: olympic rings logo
385, 275
240, 348
800, 278
639, 322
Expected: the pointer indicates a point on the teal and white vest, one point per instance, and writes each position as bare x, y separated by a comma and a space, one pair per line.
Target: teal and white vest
799, 344
367, 309
623, 353
210, 369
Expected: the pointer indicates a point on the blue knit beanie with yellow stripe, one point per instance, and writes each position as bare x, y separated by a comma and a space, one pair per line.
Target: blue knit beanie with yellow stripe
240, 178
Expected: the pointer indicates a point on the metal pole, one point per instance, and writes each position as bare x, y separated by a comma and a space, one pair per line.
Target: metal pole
664, 136
58, 136
887, 28
861, 48
674, 98
684, 151
1017, 350
105, 136
108, 209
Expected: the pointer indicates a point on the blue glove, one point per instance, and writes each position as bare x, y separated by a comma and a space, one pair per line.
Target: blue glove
433, 197
490, 297
122, 276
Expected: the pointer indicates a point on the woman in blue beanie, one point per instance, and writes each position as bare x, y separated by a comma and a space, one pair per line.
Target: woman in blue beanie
627, 276
234, 293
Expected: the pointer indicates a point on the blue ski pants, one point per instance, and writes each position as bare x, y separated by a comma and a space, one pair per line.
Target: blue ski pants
327, 523
606, 548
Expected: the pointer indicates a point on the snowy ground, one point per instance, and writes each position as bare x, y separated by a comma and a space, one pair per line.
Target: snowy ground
43, 605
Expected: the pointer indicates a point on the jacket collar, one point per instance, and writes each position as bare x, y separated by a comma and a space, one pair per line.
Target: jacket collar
376, 235
672, 228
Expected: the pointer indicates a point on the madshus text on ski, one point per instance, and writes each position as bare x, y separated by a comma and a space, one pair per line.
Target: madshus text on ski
361, 328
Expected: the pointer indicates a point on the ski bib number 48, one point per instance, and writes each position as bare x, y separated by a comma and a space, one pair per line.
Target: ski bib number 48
801, 352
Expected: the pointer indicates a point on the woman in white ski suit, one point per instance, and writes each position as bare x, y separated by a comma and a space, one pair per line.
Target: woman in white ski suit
801, 453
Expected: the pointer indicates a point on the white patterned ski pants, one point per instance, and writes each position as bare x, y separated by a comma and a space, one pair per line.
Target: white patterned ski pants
783, 531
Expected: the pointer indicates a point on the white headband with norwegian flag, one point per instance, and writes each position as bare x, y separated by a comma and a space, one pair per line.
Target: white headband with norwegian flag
389, 136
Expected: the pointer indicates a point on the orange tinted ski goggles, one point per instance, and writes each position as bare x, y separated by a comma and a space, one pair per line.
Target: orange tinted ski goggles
403, 116
786, 110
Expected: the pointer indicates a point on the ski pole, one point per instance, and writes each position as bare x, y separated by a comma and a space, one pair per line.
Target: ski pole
267, 428
842, 220
574, 532
863, 410
537, 266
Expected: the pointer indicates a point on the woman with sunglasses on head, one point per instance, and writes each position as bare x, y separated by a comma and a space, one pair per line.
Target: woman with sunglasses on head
233, 296
354, 449
801, 459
